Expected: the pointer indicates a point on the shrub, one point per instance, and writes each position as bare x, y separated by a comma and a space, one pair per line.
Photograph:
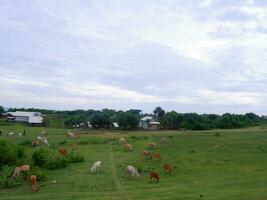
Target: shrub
26, 142
11, 154
75, 157
49, 159
39, 173
5, 180
63, 142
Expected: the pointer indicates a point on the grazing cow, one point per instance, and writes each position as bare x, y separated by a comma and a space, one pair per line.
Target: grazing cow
96, 166
45, 141
146, 154
74, 147
40, 138
132, 171
157, 156
19, 169
128, 147
71, 135
35, 143
152, 145
33, 183
122, 140
19, 134
167, 168
154, 175
63, 152
163, 139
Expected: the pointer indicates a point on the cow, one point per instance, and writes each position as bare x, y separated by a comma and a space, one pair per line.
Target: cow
63, 152
128, 147
74, 147
157, 156
146, 154
152, 145
132, 171
122, 140
154, 175
33, 183
17, 171
167, 168
96, 166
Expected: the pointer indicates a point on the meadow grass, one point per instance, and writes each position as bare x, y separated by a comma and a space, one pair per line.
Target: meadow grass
228, 165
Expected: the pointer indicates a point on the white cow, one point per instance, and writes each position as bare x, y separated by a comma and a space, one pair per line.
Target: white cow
96, 166
133, 171
71, 135
122, 140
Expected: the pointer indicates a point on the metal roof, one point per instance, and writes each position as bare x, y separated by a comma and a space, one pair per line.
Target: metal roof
36, 120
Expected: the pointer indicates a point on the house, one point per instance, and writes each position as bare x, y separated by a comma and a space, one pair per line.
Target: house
149, 123
32, 118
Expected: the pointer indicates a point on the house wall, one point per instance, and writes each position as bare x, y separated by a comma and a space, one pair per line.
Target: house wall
154, 127
143, 125
22, 119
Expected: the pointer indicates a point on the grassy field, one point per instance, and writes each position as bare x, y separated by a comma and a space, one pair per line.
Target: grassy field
230, 166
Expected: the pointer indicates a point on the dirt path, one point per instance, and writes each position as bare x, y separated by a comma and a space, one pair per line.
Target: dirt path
115, 177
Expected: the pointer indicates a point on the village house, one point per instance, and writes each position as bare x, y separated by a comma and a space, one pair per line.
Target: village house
149, 123
32, 118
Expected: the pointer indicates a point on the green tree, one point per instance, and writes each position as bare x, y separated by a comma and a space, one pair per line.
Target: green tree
2, 110
128, 120
159, 112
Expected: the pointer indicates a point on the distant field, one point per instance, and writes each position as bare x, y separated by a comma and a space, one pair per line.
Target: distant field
232, 166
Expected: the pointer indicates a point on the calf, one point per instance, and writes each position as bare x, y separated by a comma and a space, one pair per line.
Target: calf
122, 140
33, 183
154, 175
167, 168
74, 147
63, 152
157, 156
128, 147
146, 154
152, 145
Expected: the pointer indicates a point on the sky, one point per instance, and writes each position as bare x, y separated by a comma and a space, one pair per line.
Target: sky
204, 56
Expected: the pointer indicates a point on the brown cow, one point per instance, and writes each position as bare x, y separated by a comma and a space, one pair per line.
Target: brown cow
167, 168
157, 156
146, 154
152, 145
33, 183
154, 175
63, 152
128, 147
19, 169
74, 146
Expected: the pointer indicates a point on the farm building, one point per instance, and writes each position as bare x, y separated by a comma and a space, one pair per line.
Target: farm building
149, 123
33, 118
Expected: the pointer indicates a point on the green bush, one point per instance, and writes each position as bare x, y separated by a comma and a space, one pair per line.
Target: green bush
75, 157
39, 173
49, 159
26, 142
11, 154
5, 180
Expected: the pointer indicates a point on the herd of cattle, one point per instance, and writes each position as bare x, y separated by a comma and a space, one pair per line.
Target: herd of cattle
130, 170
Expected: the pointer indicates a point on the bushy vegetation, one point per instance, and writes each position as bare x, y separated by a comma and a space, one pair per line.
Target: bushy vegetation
128, 120
49, 159
11, 154
5, 180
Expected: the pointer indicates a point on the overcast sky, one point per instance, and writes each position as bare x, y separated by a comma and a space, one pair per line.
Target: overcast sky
205, 56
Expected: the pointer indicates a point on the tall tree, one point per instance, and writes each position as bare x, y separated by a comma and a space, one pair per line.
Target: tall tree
159, 112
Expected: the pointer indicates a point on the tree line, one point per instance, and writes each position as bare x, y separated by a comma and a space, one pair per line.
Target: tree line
128, 120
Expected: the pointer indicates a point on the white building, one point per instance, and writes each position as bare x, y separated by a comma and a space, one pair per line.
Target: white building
149, 123
33, 118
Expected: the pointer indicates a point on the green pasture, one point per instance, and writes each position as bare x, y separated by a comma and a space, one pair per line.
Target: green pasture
229, 165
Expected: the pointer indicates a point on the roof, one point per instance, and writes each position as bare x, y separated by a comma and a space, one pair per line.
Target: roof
24, 114
155, 123
146, 118
35, 120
